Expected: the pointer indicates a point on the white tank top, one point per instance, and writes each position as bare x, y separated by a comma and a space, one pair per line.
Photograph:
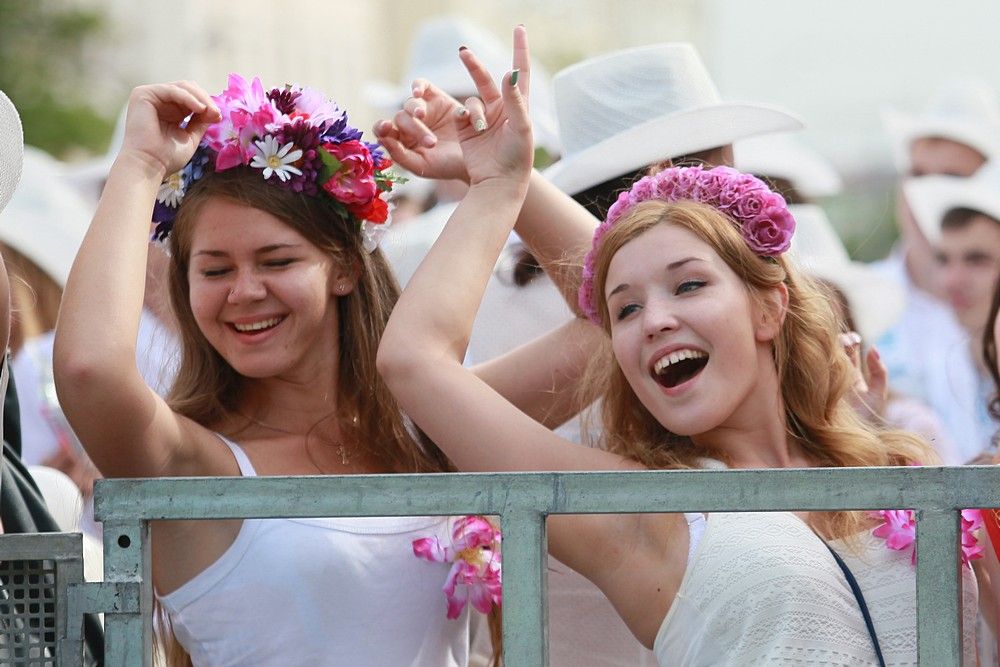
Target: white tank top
762, 588
335, 591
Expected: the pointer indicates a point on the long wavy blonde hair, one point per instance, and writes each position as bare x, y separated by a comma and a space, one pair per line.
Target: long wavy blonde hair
813, 371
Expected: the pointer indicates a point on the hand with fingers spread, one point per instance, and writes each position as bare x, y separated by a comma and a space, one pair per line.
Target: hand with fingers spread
422, 137
155, 127
494, 129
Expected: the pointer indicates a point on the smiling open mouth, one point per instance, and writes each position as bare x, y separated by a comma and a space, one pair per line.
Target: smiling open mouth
257, 327
679, 367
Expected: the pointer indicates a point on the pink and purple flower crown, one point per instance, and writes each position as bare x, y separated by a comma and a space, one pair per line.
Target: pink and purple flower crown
761, 214
297, 139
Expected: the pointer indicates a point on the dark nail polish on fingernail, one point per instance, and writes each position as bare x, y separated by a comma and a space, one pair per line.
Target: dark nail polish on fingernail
513, 76
463, 48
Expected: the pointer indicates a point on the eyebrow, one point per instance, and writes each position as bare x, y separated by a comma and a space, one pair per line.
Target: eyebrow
672, 266
260, 251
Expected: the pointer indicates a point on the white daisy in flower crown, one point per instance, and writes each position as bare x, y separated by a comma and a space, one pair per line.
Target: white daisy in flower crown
298, 140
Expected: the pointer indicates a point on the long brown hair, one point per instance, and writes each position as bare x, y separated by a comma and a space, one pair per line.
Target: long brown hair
35, 298
207, 389
813, 371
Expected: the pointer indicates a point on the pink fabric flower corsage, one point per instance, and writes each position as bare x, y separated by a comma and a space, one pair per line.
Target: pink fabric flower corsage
475, 556
899, 530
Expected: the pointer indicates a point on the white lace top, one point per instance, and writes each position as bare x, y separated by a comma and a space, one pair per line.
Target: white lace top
762, 588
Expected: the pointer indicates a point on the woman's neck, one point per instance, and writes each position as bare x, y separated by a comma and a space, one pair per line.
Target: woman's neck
292, 406
757, 434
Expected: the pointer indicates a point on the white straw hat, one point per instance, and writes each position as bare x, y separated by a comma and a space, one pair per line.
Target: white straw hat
966, 112
624, 110
931, 197
785, 156
434, 56
875, 303
46, 218
11, 149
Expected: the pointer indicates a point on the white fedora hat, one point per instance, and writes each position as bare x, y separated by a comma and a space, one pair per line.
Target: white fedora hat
965, 111
11, 149
875, 303
931, 197
785, 156
623, 110
434, 56
46, 218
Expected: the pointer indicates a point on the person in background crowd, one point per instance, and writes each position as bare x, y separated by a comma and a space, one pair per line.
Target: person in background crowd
867, 304
961, 218
956, 133
22, 506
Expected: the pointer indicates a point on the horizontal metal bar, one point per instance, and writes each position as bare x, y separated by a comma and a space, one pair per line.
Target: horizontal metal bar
938, 488
105, 597
41, 546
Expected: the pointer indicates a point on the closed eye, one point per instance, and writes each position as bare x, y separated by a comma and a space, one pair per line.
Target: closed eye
214, 273
278, 263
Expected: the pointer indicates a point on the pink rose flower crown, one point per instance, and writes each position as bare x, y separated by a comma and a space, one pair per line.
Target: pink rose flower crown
761, 214
296, 139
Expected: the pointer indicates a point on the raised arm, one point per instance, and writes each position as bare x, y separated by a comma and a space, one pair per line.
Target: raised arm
126, 428
541, 378
424, 342
423, 345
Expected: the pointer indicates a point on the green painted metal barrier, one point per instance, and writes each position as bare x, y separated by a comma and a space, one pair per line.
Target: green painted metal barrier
523, 501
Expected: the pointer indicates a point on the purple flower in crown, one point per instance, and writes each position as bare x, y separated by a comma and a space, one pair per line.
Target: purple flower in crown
306, 138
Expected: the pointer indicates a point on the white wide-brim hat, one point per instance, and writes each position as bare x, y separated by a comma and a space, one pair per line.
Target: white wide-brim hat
876, 303
966, 112
785, 156
46, 218
622, 111
11, 149
434, 56
931, 197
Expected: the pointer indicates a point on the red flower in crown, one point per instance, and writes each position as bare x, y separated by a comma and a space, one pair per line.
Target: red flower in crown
354, 181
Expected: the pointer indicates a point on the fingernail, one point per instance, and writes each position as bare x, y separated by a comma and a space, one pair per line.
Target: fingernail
461, 111
513, 76
480, 125
463, 48
875, 353
429, 141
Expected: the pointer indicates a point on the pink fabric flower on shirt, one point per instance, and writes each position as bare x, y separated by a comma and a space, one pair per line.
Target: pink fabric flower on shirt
475, 556
899, 530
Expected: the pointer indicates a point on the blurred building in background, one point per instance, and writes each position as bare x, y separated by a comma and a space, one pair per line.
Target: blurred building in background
836, 64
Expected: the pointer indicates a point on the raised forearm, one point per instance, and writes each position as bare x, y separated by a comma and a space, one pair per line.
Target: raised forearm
558, 231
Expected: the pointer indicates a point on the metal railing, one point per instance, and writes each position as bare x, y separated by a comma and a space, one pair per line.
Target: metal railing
522, 501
